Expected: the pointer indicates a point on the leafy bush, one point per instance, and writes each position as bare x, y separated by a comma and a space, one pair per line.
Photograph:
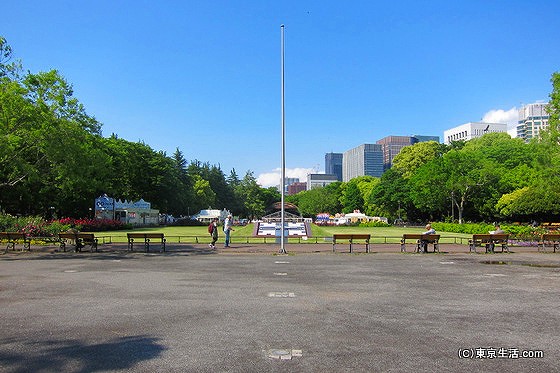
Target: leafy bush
515, 230
377, 223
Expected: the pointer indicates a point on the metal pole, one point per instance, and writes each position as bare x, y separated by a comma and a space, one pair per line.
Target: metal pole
283, 178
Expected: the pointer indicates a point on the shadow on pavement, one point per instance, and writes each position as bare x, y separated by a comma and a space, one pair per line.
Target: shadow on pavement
73, 355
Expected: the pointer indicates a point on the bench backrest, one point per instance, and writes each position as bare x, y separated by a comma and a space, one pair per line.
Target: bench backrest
412, 236
500, 237
145, 235
348, 236
419, 236
12, 235
75, 235
550, 237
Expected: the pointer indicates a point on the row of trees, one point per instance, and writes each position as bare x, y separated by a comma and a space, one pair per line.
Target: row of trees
54, 159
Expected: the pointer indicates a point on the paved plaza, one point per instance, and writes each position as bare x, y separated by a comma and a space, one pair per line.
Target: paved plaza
250, 310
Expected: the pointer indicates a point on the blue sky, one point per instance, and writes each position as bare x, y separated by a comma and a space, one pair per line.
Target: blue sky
204, 76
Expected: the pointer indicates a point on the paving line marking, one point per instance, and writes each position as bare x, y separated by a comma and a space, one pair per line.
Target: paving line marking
281, 294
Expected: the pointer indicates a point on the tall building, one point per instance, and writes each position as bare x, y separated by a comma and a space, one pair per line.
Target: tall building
366, 159
531, 120
296, 187
392, 146
320, 180
333, 164
472, 130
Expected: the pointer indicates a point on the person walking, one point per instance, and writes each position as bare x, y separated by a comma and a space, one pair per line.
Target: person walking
213, 230
228, 227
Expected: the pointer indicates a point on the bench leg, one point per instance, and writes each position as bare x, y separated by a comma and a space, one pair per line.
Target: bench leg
130, 244
403, 247
163, 244
333, 245
147, 245
350, 246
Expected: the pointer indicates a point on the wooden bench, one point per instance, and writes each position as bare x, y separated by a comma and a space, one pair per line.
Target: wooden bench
422, 241
549, 239
12, 238
78, 240
351, 238
146, 237
489, 240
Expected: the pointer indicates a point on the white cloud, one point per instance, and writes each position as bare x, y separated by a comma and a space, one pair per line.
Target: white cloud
269, 179
502, 116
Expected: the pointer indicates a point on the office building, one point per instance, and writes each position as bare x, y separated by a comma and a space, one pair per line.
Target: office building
392, 146
366, 159
296, 187
472, 130
531, 120
320, 180
333, 164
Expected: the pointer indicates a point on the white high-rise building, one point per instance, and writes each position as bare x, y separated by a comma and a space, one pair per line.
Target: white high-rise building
532, 119
472, 130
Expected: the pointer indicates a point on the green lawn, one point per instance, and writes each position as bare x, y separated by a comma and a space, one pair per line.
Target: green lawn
245, 234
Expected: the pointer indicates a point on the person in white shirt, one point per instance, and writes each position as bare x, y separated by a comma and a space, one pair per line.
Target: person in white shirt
228, 224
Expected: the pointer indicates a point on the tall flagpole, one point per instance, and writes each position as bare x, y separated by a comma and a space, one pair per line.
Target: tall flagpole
283, 178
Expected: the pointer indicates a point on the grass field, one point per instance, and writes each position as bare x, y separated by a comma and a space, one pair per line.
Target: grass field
245, 234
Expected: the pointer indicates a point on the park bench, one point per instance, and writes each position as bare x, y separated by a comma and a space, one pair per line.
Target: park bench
146, 238
422, 241
489, 240
12, 238
78, 240
549, 239
351, 238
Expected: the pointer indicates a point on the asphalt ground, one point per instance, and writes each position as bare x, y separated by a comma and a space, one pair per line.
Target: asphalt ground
248, 309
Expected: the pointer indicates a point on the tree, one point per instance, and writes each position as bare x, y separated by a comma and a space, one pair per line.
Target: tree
318, 200
249, 193
553, 132
391, 196
410, 158
352, 197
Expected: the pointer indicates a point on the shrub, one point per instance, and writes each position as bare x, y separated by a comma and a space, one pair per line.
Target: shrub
517, 231
377, 223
